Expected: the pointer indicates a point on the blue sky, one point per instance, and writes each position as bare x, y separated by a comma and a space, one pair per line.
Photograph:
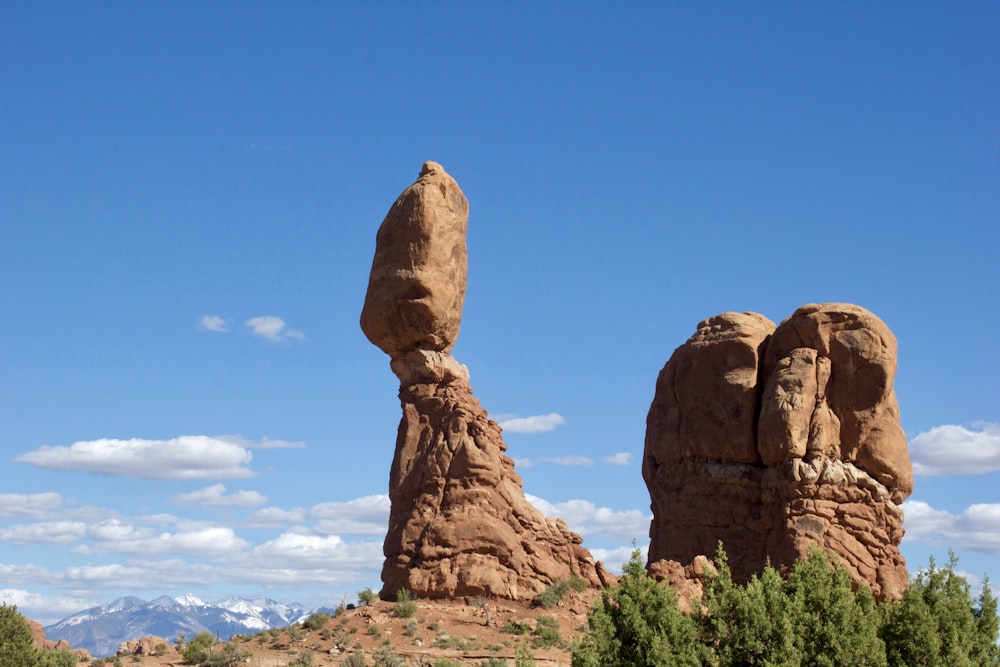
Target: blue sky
189, 194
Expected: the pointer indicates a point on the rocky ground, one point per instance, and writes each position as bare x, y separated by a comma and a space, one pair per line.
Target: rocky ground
437, 632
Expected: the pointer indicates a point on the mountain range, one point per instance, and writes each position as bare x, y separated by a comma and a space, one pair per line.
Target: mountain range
102, 629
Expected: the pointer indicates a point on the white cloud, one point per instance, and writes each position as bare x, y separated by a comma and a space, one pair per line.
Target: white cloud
619, 459
536, 424
114, 535
568, 460
30, 505
263, 443
184, 457
272, 328
953, 449
977, 528
269, 517
591, 521
302, 549
213, 323
613, 559
523, 463
216, 495
46, 532
43, 608
362, 516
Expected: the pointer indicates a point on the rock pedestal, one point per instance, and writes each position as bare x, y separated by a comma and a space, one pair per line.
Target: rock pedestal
459, 522
773, 439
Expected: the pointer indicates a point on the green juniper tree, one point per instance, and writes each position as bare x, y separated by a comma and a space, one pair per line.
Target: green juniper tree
638, 623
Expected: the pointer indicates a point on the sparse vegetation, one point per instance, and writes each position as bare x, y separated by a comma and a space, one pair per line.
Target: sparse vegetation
558, 589
366, 596
443, 662
516, 628
546, 632
493, 662
404, 607
229, 655
386, 657
523, 657
196, 650
356, 659
316, 620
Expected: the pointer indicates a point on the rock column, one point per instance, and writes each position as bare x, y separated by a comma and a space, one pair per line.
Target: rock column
459, 523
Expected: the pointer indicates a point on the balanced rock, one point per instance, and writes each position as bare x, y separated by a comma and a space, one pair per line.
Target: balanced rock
417, 284
459, 521
776, 439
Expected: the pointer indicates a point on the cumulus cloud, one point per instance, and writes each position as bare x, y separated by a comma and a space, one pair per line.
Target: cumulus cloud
362, 516
272, 328
536, 424
216, 495
977, 528
302, 549
591, 521
953, 449
568, 460
619, 459
213, 323
269, 517
115, 535
615, 558
45, 532
43, 608
184, 457
29, 505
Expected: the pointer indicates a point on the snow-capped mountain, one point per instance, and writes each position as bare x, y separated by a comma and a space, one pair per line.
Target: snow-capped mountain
100, 630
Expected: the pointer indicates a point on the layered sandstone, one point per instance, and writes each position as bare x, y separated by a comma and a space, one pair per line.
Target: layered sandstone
459, 522
772, 439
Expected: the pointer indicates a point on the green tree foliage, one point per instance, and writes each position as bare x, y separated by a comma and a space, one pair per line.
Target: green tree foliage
637, 623
17, 649
936, 624
832, 624
814, 617
15, 638
747, 625
196, 651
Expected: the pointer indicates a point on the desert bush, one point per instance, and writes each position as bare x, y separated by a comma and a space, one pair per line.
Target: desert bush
404, 607
305, 659
516, 628
366, 596
356, 659
411, 627
443, 662
493, 662
229, 655
553, 595
546, 632
523, 657
386, 657
196, 650
316, 620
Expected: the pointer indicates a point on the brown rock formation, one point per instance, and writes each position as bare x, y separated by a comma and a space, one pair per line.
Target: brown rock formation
775, 439
459, 523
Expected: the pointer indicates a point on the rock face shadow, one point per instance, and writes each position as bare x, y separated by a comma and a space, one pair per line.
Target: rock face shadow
459, 524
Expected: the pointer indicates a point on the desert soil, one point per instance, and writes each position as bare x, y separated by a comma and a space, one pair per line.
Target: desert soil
454, 630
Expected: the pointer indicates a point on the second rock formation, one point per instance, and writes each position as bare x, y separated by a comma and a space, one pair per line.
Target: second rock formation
774, 439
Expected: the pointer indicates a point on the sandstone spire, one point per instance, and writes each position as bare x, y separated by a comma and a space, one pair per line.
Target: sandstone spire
459, 523
774, 439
